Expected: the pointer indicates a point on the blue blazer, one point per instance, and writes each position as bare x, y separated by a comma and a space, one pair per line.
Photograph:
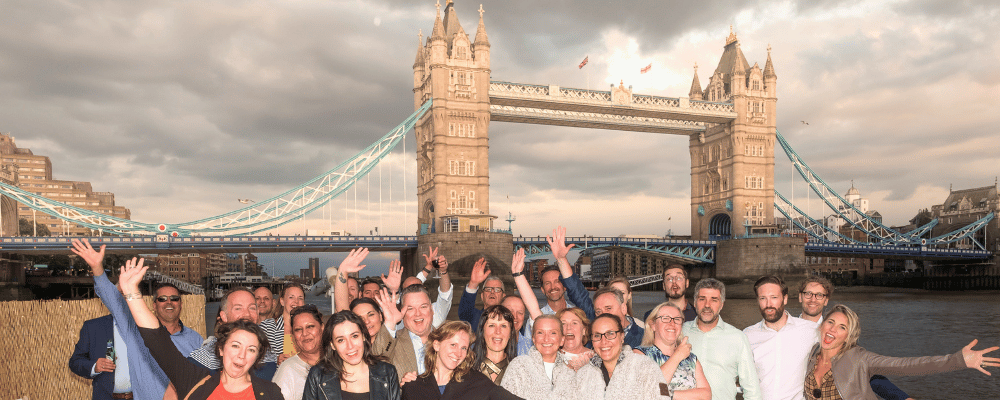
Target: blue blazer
94, 337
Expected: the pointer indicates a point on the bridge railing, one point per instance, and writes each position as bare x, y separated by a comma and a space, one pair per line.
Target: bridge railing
182, 285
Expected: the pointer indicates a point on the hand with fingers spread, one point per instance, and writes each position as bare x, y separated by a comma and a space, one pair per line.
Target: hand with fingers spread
517, 263
95, 259
977, 358
395, 276
479, 274
429, 268
131, 274
392, 314
352, 263
557, 242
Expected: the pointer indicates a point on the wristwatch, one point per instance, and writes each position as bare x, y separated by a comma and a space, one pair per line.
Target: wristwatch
133, 296
516, 274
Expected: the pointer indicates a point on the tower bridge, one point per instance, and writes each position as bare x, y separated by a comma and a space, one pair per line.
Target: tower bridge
732, 140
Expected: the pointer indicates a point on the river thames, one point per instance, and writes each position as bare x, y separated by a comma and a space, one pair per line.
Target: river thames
902, 324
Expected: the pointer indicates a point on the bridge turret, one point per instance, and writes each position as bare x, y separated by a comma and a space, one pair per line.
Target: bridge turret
439, 47
695, 93
738, 79
481, 47
418, 69
770, 79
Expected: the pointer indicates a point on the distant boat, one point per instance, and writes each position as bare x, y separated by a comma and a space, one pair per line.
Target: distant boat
321, 286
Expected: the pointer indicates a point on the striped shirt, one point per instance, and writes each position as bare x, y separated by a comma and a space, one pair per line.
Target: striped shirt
206, 354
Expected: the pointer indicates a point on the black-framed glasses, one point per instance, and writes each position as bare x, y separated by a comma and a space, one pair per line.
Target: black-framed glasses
810, 295
610, 335
164, 299
666, 319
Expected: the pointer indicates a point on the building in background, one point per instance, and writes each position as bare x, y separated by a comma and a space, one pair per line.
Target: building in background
313, 269
34, 174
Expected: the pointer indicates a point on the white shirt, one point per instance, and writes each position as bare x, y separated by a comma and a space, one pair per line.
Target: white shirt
291, 377
782, 356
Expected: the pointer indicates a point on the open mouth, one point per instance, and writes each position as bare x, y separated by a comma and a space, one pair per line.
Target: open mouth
827, 339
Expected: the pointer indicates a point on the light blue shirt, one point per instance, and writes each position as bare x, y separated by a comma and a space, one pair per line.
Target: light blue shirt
122, 382
186, 340
548, 309
725, 354
418, 349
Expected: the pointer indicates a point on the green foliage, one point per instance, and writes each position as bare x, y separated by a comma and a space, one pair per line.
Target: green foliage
25, 229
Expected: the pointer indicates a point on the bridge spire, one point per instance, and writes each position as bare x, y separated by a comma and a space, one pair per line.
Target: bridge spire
438, 32
481, 39
695, 93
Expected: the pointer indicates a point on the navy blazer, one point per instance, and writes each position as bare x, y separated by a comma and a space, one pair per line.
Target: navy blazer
93, 343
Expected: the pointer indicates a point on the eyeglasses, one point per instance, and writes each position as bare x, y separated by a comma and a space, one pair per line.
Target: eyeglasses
809, 295
610, 335
493, 289
665, 319
672, 279
164, 299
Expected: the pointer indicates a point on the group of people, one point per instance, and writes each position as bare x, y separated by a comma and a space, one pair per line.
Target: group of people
387, 339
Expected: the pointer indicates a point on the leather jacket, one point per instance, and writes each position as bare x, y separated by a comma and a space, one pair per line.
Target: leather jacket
383, 383
853, 368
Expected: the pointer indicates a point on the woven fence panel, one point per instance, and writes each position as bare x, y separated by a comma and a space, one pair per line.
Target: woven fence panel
37, 339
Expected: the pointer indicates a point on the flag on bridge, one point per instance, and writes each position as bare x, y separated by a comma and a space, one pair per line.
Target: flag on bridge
646, 68
584, 62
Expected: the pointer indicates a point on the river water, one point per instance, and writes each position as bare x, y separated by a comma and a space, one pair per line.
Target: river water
909, 324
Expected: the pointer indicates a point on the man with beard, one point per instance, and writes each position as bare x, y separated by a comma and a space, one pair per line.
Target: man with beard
723, 350
555, 292
167, 307
780, 343
307, 331
675, 283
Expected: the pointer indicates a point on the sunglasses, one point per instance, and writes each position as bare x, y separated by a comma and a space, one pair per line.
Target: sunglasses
164, 299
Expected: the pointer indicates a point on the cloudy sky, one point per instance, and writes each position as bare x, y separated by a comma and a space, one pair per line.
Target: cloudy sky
182, 107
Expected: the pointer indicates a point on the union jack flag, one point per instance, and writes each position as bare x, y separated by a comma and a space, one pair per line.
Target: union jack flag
584, 62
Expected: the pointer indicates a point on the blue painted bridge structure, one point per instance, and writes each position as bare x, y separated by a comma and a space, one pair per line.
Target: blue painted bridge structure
684, 251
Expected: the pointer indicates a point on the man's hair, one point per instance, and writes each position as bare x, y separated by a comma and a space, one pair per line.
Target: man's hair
370, 280
549, 269
166, 284
493, 278
413, 289
774, 279
222, 333
225, 298
498, 312
608, 289
675, 266
583, 318
825, 283
711, 283
445, 332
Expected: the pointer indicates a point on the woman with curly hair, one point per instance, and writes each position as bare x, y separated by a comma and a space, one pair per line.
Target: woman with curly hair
449, 372
347, 368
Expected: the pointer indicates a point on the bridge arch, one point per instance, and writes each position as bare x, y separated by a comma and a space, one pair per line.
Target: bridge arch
720, 226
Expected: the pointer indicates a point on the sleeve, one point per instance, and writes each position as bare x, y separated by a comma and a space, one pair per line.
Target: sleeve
442, 306
395, 391
466, 306
747, 371
879, 364
80, 362
578, 295
283, 378
512, 377
312, 391
182, 373
886, 389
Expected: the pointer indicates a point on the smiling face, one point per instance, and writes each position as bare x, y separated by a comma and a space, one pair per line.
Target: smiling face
496, 331
574, 333
552, 286
240, 305
833, 331
265, 300
239, 353
667, 330
452, 351
814, 299
516, 307
675, 283
370, 290
607, 349
607, 303
547, 337
170, 310
417, 313
772, 302
708, 302
371, 316
349, 342
492, 292
306, 332
293, 297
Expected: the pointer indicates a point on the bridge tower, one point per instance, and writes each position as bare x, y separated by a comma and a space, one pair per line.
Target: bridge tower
453, 183
732, 164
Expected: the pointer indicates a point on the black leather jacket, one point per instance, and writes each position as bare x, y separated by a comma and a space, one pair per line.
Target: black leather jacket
383, 383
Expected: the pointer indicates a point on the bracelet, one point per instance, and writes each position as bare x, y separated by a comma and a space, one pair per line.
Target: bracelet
516, 274
133, 296
342, 278
428, 271
443, 272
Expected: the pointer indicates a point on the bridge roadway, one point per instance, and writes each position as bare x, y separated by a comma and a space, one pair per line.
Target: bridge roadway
686, 251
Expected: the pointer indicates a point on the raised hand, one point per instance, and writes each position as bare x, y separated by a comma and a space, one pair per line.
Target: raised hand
395, 276
683, 350
388, 304
352, 263
93, 258
977, 358
131, 274
517, 263
557, 242
479, 273
430, 258
442, 265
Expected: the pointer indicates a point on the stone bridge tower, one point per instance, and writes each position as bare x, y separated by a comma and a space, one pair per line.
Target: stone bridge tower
453, 182
732, 165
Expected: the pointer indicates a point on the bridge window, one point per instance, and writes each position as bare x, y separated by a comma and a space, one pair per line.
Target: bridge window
461, 130
461, 52
754, 182
462, 167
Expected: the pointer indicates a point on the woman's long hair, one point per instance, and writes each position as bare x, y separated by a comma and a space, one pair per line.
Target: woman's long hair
224, 331
853, 325
628, 286
329, 359
496, 311
278, 310
445, 332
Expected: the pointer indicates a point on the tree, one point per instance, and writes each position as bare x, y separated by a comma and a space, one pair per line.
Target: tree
25, 229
